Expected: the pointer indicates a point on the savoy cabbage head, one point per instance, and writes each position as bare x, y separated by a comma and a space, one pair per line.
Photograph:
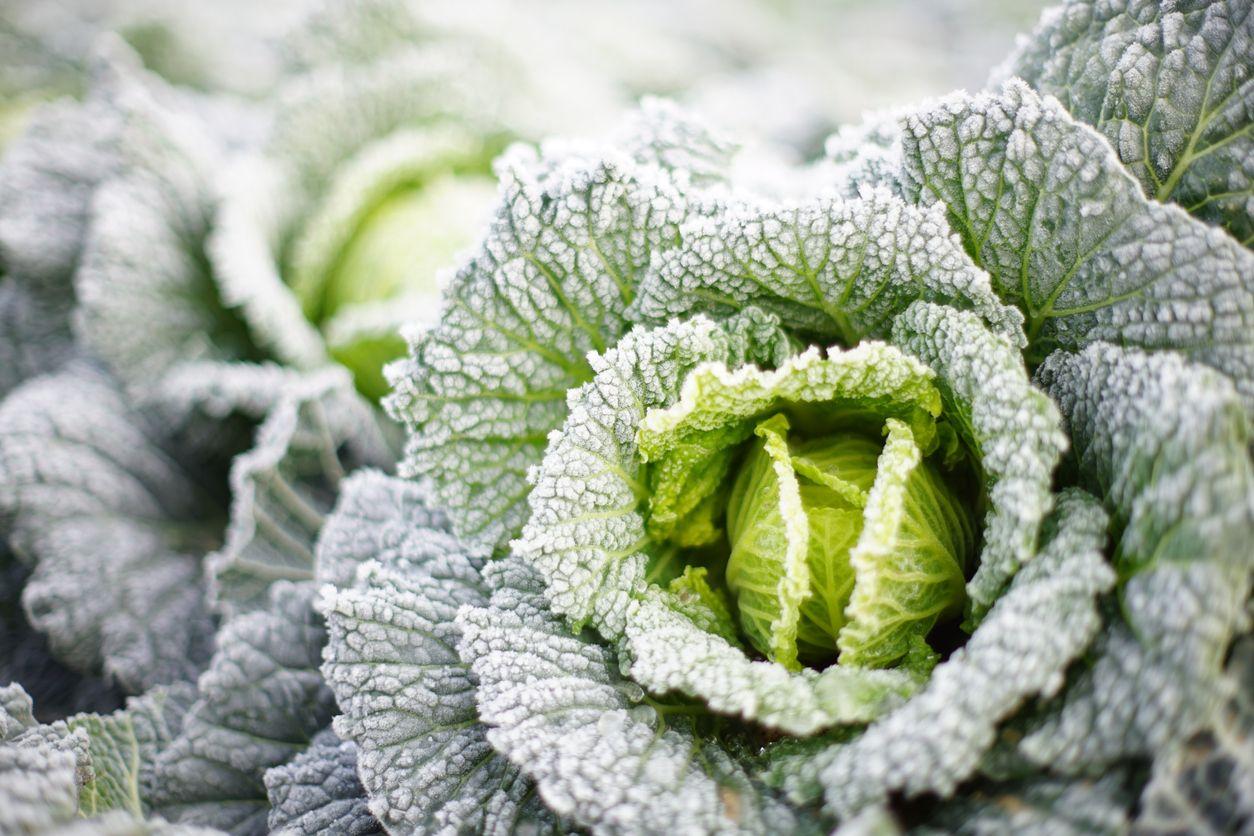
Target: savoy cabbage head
933, 481
909, 489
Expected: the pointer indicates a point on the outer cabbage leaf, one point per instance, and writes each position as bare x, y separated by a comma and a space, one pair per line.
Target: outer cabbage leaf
550, 282
1044, 621
1169, 85
407, 699
839, 270
318, 791
108, 198
1042, 202
85, 766
35, 333
866, 155
376, 517
47, 179
260, 702
25, 657
1165, 444
42, 769
1042, 806
144, 257
113, 527
282, 489
1207, 784
598, 751
1011, 428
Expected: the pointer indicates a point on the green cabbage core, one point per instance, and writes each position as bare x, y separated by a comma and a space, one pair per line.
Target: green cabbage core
406, 239
825, 484
366, 259
828, 503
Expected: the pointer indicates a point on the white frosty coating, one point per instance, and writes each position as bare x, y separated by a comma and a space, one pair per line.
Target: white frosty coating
838, 269
548, 283
40, 771
376, 517
874, 613
1042, 202
559, 710
318, 792
47, 178
1169, 85
258, 704
936, 740
283, 488
113, 527
1012, 428
665, 651
1166, 443
865, 155
586, 534
256, 207
143, 257
206, 392
1209, 781
85, 766
408, 701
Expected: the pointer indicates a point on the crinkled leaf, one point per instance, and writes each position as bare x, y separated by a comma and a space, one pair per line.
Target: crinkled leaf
318, 791
259, 703
376, 517
836, 269
1207, 784
282, 489
935, 741
113, 526
47, 179
1165, 444
41, 770
867, 154
1042, 203
560, 711
908, 562
1169, 85
86, 766
407, 700
25, 657
123, 746
1012, 430
549, 283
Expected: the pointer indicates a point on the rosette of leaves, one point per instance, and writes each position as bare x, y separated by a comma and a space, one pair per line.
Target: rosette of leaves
375, 172
779, 473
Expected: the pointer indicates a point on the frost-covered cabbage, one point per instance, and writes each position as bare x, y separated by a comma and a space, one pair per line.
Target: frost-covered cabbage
932, 483
907, 490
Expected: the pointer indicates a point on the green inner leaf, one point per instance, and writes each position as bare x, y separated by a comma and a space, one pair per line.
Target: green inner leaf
404, 241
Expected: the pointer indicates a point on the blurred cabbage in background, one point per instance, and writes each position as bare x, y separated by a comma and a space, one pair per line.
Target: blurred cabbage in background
789, 69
